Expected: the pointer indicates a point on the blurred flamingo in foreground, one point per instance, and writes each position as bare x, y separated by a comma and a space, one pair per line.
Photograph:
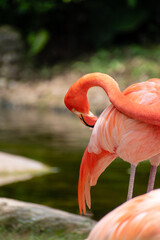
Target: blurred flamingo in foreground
128, 128
136, 219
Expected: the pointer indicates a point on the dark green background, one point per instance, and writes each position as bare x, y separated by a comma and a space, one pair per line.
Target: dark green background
74, 27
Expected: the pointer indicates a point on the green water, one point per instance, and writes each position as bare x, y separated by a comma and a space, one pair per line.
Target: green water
59, 139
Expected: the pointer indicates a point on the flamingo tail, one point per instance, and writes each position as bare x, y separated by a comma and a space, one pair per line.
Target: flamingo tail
92, 166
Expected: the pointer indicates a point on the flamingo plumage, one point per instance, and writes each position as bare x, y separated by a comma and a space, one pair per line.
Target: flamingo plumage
135, 219
128, 128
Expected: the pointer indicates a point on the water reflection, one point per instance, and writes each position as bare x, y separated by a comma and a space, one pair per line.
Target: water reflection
59, 139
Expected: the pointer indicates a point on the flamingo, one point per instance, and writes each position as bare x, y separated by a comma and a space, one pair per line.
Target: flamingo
128, 128
136, 219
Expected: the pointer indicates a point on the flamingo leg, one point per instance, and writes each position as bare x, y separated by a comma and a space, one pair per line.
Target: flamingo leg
131, 182
152, 177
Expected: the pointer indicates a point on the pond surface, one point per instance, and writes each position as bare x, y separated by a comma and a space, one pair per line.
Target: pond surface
58, 139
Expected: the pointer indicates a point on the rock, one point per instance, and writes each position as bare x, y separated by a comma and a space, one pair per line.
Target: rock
15, 164
23, 217
16, 168
11, 52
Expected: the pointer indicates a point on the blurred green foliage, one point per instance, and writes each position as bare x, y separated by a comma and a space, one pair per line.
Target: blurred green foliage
134, 61
23, 6
79, 26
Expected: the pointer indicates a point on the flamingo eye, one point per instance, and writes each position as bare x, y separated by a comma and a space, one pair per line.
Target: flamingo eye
73, 110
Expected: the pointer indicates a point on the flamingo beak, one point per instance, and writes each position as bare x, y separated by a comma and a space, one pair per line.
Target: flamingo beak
88, 120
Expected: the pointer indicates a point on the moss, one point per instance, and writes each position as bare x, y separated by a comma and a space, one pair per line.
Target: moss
4, 235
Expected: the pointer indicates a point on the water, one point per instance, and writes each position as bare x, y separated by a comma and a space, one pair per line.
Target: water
59, 139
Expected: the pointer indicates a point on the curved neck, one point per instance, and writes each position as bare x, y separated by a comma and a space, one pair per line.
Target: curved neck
102, 80
144, 113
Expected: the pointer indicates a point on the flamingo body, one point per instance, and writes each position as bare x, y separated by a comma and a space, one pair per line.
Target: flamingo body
116, 134
136, 219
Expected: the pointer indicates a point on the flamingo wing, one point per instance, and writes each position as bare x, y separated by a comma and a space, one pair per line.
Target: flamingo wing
92, 166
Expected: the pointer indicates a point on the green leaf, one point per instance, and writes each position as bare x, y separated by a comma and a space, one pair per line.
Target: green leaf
37, 41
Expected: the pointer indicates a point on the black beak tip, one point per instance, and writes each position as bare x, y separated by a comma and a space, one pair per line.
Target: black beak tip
82, 119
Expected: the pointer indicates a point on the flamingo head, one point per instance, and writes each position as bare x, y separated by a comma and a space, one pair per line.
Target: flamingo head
76, 101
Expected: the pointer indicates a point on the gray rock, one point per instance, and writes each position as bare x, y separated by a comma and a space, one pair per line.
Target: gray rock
20, 216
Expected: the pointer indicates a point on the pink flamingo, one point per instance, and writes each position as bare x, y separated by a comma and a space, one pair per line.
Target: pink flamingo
128, 128
136, 219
